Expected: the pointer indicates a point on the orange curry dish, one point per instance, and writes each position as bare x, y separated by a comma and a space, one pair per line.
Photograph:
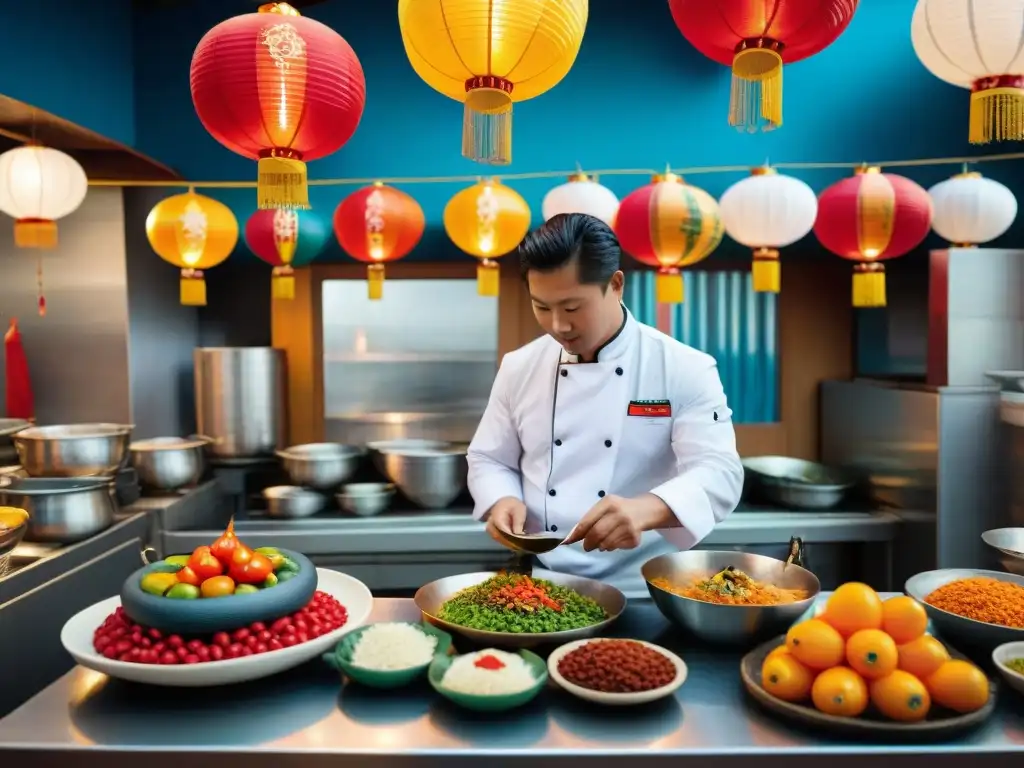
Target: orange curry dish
983, 599
732, 587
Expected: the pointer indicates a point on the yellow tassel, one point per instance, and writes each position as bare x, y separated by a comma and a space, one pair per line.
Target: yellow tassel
766, 271
192, 288
488, 278
375, 282
869, 285
668, 287
997, 114
281, 183
35, 233
487, 121
282, 286
756, 100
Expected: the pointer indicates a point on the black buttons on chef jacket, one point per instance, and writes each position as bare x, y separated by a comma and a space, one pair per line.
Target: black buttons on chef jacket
600, 494
558, 442
564, 372
554, 529
618, 371
551, 492
607, 443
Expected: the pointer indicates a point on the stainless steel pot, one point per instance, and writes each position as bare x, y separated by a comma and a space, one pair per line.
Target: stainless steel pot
74, 450
321, 466
61, 510
8, 428
168, 463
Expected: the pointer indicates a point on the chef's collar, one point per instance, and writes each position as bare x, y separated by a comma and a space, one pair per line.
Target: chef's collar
616, 347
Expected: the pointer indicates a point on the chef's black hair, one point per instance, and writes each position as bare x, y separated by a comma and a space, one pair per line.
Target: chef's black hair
570, 237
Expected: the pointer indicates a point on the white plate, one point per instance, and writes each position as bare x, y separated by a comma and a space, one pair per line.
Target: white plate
77, 637
1005, 653
616, 699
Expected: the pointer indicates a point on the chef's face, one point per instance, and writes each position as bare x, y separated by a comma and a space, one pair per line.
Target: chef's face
578, 316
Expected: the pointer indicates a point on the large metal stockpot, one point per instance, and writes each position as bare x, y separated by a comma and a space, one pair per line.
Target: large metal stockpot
61, 510
73, 450
240, 400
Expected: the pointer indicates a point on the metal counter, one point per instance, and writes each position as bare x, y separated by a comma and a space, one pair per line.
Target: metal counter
305, 718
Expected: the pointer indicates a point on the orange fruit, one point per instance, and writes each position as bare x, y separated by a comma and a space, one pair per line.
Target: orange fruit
779, 650
840, 691
871, 653
815, 644
901, 696
786, 678
903, 619
959, 685
922, 657
853, 606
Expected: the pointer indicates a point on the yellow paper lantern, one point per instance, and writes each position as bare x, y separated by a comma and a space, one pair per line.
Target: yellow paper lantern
489, 54
487, 220
192, 232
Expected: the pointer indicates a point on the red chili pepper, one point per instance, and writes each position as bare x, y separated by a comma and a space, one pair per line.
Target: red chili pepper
489, 662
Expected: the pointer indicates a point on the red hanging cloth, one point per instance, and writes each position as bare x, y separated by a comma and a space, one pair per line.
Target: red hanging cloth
20, 403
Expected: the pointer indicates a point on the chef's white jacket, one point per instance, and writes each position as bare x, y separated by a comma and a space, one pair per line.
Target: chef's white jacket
648, 416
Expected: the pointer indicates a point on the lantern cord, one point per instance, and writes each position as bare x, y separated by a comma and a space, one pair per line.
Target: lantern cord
473, 178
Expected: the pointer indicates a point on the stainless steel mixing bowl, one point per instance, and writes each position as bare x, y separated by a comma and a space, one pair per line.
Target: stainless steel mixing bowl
168, 463
430, 597
291, 502
1009, 542
433, 479
323, 466
73, 450
736, 625
378, 448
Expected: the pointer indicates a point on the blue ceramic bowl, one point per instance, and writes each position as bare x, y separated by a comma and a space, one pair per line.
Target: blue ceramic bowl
205, 616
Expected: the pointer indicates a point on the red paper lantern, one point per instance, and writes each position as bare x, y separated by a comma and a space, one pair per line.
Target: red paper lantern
281, 89
755, 38
378, 224
870, 217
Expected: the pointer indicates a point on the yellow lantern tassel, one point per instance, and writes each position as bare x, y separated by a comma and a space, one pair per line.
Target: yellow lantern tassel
869, 285
281, 181
375, 282
282, 283
997, 109
488, 278
192, 288
766, 271
668, 286
35, 233
487, 120
756, 100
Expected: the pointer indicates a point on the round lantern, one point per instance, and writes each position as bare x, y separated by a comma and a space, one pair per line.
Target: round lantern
194, 233
281, 89
969, 209
285, 239
490, 54
669, 224
487, 220
977, 46
756, 42
767, 211
581, 194
870, 217
378, 224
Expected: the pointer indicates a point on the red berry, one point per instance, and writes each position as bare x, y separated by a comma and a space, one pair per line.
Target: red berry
168, 657
175, 641
216, 653
222, 639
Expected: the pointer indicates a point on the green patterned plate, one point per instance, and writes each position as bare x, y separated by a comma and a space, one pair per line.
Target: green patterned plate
341, 659
497, 703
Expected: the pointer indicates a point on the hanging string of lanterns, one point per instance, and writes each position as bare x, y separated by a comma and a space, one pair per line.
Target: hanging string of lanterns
285, 239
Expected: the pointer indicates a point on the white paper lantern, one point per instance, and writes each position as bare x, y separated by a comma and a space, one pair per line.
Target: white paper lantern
581, 194
979, 45
767, 211
39, 185
969, 209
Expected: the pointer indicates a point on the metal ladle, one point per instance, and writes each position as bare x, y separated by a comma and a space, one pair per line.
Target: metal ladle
531, 543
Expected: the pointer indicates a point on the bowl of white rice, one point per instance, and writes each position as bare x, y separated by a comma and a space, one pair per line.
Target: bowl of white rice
389, 654
489, 680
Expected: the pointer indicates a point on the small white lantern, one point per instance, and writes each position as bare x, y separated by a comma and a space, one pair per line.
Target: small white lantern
970, 209
581, 194
767, 211
39, 185
977, 45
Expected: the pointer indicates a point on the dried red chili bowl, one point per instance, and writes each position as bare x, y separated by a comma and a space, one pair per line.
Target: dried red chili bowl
615, 671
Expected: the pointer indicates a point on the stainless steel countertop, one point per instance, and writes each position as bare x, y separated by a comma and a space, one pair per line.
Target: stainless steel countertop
305, 718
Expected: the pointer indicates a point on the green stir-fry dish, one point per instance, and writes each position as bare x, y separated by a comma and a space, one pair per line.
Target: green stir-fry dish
516, 603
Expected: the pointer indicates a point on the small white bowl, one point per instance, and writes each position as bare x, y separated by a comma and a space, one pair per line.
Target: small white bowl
1007, 652
615, 699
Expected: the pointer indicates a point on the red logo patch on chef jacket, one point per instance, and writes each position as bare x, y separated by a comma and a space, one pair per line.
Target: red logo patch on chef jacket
650, 408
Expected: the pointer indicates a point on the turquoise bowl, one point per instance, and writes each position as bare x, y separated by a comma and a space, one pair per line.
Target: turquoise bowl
204, 616
497, 703
341, 659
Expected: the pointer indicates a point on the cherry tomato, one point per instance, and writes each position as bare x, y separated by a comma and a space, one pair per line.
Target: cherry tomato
205, 564
254, 571
218, 586
187, 576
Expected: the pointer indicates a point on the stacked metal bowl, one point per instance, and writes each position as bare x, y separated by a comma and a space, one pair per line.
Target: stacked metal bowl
430, 473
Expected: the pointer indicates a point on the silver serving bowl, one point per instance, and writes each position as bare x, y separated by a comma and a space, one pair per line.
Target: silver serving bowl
735, 625
13, 526
322, 466
959, 630
432, 479
61, 510
292, 502
378, 448
797, 484
1009, 542
365, 499
430, 597
168, 463
74, 450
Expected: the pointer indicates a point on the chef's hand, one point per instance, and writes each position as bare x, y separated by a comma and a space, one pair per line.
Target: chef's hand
508, 514
612, 523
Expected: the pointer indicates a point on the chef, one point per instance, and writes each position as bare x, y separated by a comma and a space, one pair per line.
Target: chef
604, 430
